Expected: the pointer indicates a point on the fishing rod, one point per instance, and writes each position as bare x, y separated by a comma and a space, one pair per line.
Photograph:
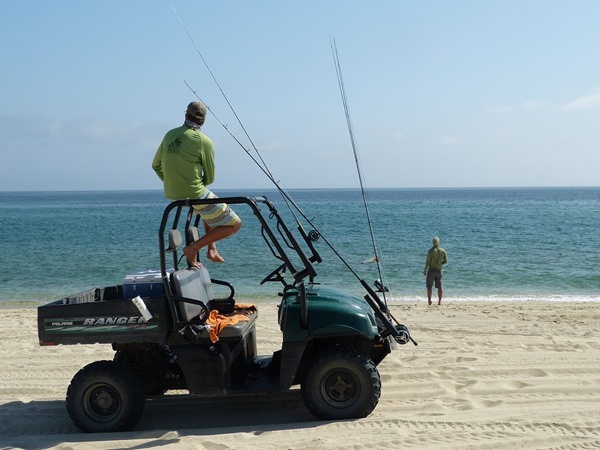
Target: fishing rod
260, 162
287, 198
377, 258
379, 284
264, 167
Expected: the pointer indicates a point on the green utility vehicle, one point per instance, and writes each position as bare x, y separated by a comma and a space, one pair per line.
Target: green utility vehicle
169, 332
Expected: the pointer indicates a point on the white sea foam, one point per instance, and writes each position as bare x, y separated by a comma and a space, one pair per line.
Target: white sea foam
498, 298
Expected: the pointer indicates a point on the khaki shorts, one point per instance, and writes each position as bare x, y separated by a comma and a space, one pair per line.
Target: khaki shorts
216, 214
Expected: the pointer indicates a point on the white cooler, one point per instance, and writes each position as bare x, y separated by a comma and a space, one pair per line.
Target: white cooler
145, 283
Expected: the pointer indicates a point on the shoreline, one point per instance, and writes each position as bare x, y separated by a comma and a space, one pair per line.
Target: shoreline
32, 304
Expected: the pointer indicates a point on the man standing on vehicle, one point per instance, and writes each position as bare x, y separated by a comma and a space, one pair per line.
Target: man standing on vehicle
436, 258
185, 163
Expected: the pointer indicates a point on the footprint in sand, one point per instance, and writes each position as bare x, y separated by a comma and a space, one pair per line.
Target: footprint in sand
536, 373
410, 359
487, 403
454, 403
450, 360
465, 358
515, 385
466, 405
455, 387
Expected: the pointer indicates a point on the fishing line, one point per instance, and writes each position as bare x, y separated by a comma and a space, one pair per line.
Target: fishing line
338, 69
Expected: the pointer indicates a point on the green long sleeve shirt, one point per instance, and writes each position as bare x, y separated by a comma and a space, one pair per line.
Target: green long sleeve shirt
436, 258
185, 162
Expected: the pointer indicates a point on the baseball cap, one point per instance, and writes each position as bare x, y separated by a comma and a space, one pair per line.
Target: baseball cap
196, 109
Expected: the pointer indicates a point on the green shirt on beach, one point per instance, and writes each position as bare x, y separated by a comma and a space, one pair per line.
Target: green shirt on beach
436, 258
185, 162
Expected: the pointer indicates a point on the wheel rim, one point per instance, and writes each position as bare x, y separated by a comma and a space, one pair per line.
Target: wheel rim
102, 402
340, 388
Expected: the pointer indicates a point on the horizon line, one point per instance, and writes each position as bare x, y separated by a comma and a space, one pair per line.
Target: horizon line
311, 189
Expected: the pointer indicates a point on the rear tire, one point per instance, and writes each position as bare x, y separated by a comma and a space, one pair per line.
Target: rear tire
341, 384
105, 397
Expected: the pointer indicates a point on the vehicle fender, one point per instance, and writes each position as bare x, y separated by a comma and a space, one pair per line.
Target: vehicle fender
340, 319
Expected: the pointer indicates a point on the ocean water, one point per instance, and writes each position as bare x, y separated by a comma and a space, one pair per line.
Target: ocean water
503, 244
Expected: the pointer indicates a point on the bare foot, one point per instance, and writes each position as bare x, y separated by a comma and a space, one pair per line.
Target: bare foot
214, 256
192, 257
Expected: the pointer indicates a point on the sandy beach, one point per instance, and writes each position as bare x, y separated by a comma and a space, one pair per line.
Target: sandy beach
485, 375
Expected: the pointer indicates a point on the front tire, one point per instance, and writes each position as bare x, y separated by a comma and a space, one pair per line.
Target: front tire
105, 397
341, 384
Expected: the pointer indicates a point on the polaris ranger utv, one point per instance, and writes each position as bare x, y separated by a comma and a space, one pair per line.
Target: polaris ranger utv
173, 334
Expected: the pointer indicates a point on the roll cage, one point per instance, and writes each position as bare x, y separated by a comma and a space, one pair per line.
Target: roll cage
172, 218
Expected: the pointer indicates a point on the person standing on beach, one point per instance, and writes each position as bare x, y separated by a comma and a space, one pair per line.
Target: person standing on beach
436, 258
185, 162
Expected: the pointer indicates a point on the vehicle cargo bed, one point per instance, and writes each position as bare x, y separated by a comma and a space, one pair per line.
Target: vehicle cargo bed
102, 315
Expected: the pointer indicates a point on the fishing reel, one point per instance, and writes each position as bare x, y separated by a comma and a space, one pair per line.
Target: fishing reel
403, 336
380, 286
313, 235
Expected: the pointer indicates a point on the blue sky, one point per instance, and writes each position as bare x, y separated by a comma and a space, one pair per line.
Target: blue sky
441, 93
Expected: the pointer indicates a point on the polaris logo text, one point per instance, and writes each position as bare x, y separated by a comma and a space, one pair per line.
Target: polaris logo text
114, 321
